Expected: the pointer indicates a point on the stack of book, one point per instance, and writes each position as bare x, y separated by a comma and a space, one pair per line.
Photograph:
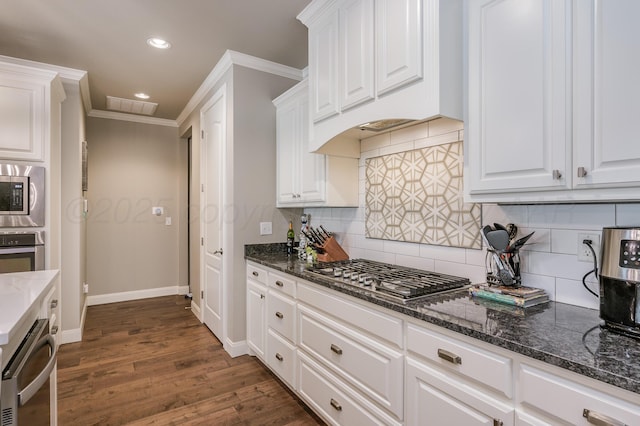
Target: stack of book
515, 296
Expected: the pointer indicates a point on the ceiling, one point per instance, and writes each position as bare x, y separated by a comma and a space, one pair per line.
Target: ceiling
107, 38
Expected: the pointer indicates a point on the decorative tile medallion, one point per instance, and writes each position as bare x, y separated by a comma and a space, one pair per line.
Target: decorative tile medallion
416, 196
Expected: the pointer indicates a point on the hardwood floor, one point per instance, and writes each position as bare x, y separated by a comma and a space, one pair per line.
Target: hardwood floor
151, 362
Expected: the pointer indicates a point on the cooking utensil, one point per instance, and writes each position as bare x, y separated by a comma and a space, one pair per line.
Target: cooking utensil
513, 231
517, 245
500, 226
498, 239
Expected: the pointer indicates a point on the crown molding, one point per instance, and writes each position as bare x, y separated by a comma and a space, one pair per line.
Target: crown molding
225, 63
112, 115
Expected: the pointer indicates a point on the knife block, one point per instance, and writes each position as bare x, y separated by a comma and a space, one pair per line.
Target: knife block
332, 251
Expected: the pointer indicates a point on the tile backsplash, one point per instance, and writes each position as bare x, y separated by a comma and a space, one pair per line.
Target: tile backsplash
549, 260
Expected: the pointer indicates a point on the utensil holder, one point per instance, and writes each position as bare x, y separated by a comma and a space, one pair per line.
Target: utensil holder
332, 251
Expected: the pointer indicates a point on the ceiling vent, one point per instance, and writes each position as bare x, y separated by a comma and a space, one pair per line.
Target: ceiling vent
131, 106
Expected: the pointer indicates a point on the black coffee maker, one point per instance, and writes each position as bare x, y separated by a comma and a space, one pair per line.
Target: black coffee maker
620, 279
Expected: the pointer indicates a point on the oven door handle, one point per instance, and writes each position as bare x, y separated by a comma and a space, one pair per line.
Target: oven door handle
25, 394
17, 250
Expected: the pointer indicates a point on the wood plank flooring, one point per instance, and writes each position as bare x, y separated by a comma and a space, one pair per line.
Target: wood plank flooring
151, 362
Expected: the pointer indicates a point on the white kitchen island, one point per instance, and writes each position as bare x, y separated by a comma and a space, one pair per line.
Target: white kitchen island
25, 297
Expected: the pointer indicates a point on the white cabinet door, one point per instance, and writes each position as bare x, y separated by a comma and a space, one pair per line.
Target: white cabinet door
256, 324
323, 67
518, 124
311, 171
287, 133
399, 47
356, 53
22, 118
607, 93
435, 398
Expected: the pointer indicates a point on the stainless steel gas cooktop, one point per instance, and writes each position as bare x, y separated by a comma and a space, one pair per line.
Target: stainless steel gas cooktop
398, 283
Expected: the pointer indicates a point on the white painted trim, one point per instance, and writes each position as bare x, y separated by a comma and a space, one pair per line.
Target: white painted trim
112, 115
229, 59
236, 348
195, 308
70, 336
102, 299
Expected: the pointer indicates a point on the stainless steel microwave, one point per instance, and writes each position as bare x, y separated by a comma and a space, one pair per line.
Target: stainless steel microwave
21, 196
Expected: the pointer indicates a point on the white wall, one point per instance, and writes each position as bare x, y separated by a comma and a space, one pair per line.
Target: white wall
549, 261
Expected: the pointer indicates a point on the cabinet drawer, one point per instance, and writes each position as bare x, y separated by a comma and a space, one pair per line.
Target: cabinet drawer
377, 323
281, 357
372, 367
568, 400
256, 273
334, 400
487, 368
281, 314
282, 283
435, 397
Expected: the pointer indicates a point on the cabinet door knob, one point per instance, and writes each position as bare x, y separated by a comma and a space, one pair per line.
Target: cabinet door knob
582, 172
335, 404
449, 356
497, 422
336, 349
279, 357
262, 296
279, 315
54, 303
557, 174
600, 419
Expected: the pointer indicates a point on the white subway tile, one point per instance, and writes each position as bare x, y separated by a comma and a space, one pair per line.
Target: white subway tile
437, 140
573, 292
370, 243
444, 125
555, 265
356, 227
540, 241
394, 149
628, 215
450, 254
380, 256
357, 253
475, 257
415, 262
375, 142
400, 247
564, 241
572, 216
494, 213
476, 274
365, 155
344, 213
407, 134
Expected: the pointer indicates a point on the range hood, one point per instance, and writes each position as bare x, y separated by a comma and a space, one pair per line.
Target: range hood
384, 125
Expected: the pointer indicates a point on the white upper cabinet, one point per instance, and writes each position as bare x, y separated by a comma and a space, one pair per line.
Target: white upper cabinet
381, 59
551, 100
305, 179
26, 96
607, 93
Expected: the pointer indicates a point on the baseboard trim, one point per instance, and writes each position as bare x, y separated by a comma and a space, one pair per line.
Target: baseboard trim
236, 348
103, 299
195, 309
70, 336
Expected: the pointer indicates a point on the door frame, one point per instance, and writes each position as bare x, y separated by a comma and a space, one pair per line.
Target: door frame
221, 93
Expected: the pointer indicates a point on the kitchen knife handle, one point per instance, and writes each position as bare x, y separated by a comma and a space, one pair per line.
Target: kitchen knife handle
449, 356
600, 419
336, 349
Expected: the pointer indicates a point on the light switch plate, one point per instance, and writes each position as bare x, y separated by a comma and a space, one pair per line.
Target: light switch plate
266, 228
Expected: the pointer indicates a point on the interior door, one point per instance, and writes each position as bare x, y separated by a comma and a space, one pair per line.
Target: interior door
212, 121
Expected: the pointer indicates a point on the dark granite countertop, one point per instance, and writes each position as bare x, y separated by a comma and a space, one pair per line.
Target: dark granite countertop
563, 335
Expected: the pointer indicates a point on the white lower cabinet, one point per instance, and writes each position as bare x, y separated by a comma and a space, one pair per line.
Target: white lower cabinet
334, 400
572, 403
281, 357
256, 305
434, 397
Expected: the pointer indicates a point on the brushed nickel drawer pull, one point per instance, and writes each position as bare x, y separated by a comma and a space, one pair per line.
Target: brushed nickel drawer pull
557, 175
335, 404
54, 303
336, 349
582, 172
279, 357
279, 283
54, 329
449, 356
255, 273
262, 296
279, 315
600, 419
497, 422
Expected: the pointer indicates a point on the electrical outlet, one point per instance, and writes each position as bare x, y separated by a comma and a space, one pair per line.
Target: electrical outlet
584, 253
266, 228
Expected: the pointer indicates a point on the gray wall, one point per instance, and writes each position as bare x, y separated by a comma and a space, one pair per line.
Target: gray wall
132, 167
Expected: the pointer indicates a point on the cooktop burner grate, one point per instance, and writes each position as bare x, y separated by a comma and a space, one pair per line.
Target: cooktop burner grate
396, 282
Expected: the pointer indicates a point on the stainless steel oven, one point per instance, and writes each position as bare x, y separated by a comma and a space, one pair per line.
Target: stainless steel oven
21, 251
26, 397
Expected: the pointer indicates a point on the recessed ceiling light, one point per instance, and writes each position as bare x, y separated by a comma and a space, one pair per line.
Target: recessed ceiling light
158, 43
141, 96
